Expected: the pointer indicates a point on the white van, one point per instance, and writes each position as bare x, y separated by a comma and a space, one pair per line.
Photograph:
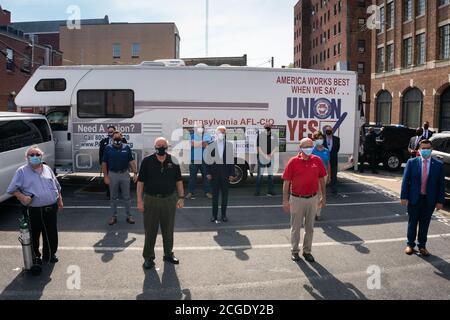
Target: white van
19, 131
150, 100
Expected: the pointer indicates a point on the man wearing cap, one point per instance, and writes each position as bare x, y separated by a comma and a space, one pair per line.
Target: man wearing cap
303, 176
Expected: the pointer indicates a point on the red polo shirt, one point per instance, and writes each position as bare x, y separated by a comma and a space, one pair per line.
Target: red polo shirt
304, 174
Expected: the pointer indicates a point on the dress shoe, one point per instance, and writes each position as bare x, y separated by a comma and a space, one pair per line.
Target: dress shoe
224, 219
190, 195
409, 250
318, 218
271, 194
308, 257
37, 261
171, 259
295, 256
113, 221
53, 259
257, 194
148, 264
213, 219
130, 220
424, 252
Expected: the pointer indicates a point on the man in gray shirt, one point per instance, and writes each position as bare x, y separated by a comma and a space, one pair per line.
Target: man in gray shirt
36, 186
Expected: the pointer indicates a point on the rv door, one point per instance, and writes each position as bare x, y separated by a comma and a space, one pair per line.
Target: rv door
59, 120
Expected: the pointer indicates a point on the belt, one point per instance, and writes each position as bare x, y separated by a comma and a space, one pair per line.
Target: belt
46, 208
159, 195
303, 197
119, 171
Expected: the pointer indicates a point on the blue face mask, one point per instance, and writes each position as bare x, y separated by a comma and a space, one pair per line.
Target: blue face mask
318, 142
425, 153
35, 160
307, 151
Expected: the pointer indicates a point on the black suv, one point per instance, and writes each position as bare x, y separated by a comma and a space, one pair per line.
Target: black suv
441, 151
392, 144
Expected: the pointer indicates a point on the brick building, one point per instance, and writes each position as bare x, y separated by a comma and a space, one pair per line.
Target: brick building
411, 63
19, 58
333, 35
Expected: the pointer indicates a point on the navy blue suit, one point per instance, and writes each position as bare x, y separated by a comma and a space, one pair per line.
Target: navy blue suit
421, 207
220, 168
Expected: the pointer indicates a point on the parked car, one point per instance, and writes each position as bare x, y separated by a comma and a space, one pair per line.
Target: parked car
441, 151
392, 144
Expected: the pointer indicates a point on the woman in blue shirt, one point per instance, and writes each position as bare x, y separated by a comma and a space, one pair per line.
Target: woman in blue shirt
323, 153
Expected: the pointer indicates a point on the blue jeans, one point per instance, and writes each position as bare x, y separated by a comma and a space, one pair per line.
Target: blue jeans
261, 167
193, 170
419, 214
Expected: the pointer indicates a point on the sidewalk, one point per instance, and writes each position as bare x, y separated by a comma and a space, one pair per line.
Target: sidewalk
386, 182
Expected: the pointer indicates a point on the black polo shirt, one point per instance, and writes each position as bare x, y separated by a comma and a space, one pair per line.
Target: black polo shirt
159, 178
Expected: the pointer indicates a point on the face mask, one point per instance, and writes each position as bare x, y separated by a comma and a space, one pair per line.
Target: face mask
110, 135
318, 142
161, 151
117, 142
329, 132
307, 151
425, 153
35, 160
426, 127
220, 136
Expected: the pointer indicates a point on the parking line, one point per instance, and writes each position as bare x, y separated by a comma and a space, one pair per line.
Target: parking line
243, 247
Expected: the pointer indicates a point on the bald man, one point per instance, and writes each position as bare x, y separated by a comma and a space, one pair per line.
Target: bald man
302, 176
159, 178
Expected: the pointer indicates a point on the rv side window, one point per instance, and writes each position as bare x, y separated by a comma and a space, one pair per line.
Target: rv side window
105, 104
51, 85
58, 120
16, 134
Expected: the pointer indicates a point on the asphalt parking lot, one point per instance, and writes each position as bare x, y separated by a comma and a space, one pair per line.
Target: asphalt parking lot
358, 249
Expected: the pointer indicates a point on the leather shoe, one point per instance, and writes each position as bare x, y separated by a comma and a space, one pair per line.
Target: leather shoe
171, 259
409, 250
224, 219
213, 219
148, 264
308, 257
130, 220
113, 221
37, 261
424, 252
295, 257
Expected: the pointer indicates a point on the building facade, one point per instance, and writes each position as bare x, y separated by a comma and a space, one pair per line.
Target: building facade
333, 35
411, 63
119, 43
19, 58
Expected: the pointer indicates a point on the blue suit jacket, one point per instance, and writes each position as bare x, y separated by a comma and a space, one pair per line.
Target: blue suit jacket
412, 179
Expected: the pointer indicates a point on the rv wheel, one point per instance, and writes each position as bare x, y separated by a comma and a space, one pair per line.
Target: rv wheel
241, 175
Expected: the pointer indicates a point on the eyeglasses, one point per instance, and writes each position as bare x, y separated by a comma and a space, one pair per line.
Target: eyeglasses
35, 155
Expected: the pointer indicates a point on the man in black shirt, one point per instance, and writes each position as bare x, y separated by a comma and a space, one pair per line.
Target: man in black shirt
159, 176
370, 150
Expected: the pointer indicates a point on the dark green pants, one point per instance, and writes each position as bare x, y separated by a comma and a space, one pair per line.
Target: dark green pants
159, 212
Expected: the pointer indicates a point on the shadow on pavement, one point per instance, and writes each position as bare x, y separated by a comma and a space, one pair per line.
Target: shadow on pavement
168, 288
228, 238
115, 242
342, 236
325, 286
28, 287
440, 264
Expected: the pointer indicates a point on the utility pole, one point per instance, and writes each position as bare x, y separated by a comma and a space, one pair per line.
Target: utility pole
272, 62
206, 28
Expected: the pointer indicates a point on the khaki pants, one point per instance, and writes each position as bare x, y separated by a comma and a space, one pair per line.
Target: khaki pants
303, 212
159, 212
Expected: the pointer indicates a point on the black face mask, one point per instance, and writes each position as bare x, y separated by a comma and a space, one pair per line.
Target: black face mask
419, 133
329, 132
117, 142
161, 151
426, 127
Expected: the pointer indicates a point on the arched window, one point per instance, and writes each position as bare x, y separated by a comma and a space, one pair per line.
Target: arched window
384, 107
445, 110
412, 108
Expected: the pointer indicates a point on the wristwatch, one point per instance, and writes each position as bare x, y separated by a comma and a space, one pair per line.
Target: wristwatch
180, 197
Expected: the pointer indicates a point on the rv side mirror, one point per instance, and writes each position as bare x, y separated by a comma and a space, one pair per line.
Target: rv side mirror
68, 136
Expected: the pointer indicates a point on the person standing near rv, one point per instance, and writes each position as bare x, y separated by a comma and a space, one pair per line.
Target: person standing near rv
267, 145
199, 141
159, 177
220, 171
116, 162
323, 153
36, 187
333, 144
11, 105
303, 176
107, 141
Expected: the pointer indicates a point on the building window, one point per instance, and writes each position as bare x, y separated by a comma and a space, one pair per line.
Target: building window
412, 108
362, 3
407, 53
443, 2
390, 57
361, 67
407, 10
339, 48
361, 23
116, 50
382, 20
444, 33
135, 50
420, 43
380, 60
420, 7
361, 46
384, 107
335, 30
105, 103
390, 15
9, 59
339, 27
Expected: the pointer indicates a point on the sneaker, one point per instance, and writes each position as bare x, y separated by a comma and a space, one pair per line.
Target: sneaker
113, 221
209, 195
308, 257
271, 194
130, 220
190, 195
295, 256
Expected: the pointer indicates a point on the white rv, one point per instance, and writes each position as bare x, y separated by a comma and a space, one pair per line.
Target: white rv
150, 100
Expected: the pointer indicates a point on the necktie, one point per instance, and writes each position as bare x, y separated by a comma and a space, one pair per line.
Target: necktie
423, 187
